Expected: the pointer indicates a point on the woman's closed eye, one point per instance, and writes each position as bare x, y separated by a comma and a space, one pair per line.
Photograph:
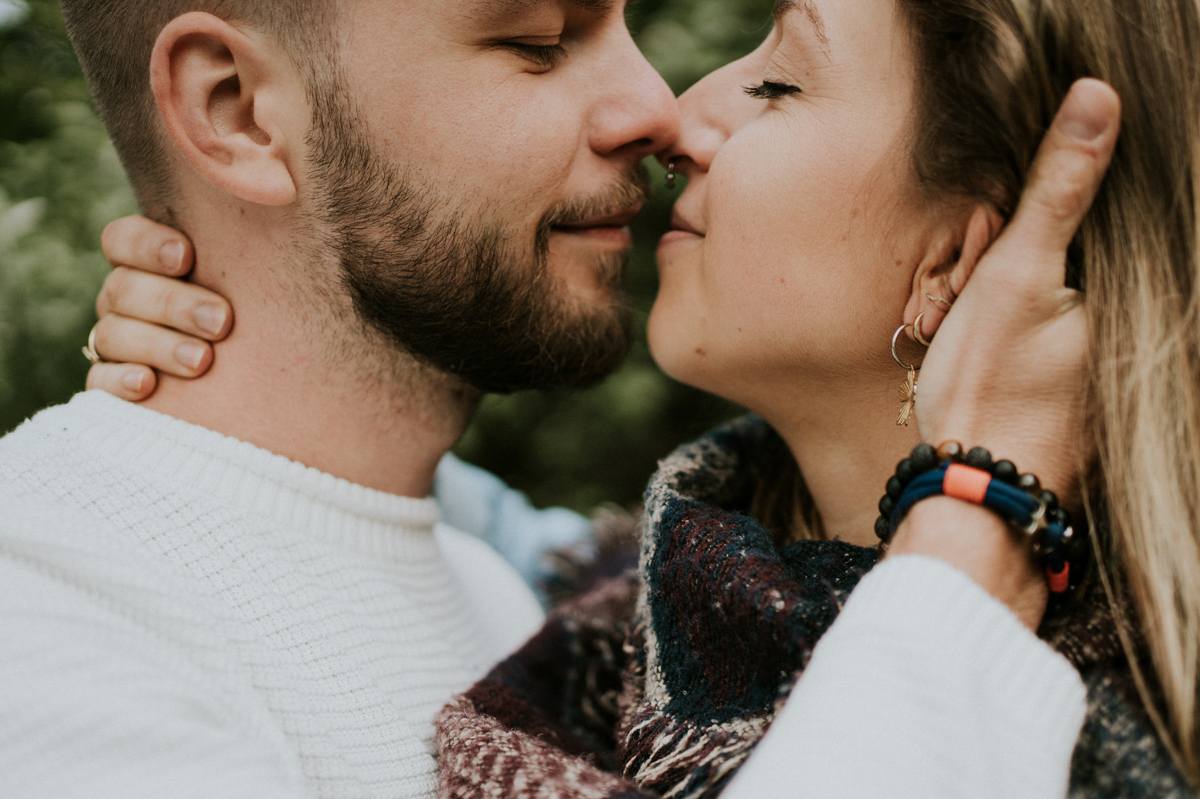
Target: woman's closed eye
772, 90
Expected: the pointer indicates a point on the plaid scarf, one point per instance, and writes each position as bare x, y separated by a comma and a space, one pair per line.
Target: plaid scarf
659, 682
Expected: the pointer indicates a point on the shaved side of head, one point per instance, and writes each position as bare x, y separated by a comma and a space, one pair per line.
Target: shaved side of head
114, 40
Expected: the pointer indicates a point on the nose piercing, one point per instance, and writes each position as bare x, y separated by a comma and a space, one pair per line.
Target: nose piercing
671, 174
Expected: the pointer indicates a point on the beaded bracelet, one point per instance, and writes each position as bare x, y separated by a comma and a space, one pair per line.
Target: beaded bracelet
1017, 498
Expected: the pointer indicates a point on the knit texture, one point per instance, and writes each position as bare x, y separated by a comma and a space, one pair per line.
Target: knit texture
661, 683
185, 614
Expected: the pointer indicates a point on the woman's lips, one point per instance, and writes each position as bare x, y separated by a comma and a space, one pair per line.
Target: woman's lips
675, 236
681, 230
680, 223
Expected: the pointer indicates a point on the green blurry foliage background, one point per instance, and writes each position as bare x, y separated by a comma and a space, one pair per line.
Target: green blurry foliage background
61, 182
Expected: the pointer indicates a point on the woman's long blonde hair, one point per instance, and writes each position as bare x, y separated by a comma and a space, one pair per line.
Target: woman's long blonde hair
990, 77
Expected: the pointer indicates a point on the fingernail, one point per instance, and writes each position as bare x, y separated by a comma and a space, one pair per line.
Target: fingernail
1084, 114
171, 256
133, 381
190, 354
210, 318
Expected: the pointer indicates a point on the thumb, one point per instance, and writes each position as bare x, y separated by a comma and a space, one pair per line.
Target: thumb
1065, 177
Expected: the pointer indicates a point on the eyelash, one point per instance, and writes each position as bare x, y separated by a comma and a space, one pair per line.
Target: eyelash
546, 56
770, 90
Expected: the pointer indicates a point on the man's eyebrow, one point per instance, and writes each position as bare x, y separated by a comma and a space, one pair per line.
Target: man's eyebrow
498, 8
810, 10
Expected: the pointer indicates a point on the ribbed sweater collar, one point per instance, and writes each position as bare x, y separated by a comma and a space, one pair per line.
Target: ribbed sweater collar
180, 456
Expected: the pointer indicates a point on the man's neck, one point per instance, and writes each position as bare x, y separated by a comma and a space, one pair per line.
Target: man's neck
364, 413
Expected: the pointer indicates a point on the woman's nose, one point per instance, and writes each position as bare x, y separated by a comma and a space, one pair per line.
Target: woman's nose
711, 111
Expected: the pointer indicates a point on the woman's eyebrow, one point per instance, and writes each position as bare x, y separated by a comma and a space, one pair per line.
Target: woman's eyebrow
810, 11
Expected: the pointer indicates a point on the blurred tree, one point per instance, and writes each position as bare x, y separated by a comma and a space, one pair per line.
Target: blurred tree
60, 182
37, 68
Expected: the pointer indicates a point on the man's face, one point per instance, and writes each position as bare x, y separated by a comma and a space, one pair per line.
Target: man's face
479, 165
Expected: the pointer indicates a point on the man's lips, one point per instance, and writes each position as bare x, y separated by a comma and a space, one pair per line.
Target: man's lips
609, 232
618, 219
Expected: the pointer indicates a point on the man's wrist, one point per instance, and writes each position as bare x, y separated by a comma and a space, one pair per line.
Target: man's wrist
1048, 450
979, 543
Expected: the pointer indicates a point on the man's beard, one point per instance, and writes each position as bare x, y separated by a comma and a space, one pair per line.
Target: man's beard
463, 295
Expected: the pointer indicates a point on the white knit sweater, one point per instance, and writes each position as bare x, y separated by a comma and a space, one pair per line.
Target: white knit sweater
183, 614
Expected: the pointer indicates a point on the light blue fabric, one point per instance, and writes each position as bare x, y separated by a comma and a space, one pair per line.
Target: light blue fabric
480, 503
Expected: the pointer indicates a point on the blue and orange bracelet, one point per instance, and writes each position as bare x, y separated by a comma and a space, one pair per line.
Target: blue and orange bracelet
1056, 541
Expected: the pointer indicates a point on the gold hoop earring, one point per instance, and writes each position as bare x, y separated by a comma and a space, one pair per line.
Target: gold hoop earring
908, 389
916, 328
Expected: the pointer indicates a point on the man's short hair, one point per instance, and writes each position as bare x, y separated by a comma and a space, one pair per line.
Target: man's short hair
115, 38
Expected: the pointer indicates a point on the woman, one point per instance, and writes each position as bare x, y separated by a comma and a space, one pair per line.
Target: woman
853, 189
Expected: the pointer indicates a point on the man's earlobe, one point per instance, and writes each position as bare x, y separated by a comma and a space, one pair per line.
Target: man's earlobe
220, 93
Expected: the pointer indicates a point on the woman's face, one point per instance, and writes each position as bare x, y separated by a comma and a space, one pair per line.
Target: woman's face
798, 235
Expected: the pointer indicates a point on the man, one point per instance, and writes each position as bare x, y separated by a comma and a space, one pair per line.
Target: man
409, 203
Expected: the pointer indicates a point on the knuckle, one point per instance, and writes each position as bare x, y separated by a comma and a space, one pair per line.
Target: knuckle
116, 238
1056, 210
110, 239
105, 377
170, 305
1074, 194
104, 298
115, 288
1068, 183
104, 339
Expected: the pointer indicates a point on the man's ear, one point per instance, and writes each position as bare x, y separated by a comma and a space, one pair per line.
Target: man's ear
943, 275
226, 97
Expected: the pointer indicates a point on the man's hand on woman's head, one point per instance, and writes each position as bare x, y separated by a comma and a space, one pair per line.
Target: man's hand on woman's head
150, 319
1008, 368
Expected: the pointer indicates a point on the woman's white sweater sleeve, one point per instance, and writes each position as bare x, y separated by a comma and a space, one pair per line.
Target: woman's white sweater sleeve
925, 686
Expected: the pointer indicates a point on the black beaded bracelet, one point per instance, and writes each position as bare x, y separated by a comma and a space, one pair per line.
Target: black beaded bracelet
1019, 499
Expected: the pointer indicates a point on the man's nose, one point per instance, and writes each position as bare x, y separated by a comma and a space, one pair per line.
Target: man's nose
639, 114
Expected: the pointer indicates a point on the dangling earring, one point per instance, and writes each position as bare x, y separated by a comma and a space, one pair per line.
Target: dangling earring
671, 174
908, 389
